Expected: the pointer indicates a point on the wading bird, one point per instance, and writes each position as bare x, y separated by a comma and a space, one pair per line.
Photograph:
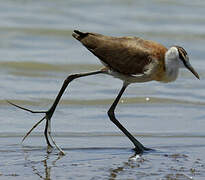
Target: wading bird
131, 59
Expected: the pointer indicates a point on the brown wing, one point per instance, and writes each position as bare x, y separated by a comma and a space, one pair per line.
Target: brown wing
127, 55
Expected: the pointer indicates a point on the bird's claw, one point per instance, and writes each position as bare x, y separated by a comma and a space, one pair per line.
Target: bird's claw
49, 149
47, 132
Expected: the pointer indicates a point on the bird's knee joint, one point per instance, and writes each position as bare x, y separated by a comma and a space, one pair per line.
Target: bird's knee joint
111, 113
70, 78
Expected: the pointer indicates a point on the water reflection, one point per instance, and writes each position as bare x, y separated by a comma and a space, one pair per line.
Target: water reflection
134, 162
45, 163
38, 52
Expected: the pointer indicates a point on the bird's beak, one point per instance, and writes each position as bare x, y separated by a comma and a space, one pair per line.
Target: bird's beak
188, 65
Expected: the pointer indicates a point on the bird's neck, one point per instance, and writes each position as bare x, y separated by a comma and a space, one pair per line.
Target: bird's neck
171, 66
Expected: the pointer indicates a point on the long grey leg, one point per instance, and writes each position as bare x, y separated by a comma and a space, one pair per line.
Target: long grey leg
139, 148
52, 139
50, 112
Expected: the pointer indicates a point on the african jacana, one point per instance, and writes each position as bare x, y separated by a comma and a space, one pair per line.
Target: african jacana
131, 59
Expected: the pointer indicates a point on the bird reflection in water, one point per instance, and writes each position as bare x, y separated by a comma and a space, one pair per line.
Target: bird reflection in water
46, 162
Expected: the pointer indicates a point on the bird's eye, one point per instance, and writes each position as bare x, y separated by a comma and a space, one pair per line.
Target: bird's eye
181, 56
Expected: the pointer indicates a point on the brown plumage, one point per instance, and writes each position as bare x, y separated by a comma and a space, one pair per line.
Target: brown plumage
131, 59
126, 55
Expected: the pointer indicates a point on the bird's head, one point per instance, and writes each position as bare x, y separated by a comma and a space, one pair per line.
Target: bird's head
177, 52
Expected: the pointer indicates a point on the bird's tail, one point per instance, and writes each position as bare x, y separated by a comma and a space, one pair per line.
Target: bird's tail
79, 35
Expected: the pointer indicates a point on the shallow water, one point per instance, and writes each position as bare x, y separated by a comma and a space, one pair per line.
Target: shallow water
37, 52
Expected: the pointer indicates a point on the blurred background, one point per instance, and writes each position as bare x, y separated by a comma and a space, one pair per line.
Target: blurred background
37, 52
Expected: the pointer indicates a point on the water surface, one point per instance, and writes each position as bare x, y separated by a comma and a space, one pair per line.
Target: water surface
38, 53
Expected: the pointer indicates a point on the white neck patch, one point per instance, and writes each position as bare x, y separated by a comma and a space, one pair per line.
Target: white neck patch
172, 64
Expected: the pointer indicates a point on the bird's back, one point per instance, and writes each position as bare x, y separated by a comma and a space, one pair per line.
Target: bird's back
127, 55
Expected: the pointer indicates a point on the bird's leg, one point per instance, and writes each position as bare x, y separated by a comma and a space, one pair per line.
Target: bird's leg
49, 113
139, 148
48, 131
35, 125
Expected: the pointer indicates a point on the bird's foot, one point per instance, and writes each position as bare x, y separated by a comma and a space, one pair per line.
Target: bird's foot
49, 149
47, 132
142, 150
